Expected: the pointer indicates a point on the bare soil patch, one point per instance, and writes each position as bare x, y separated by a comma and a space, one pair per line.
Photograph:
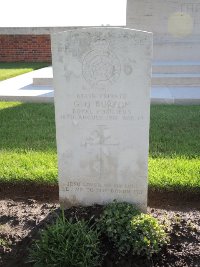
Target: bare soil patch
21, 220
42, 192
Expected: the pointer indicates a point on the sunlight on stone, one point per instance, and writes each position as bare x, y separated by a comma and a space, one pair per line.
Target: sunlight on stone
180, 24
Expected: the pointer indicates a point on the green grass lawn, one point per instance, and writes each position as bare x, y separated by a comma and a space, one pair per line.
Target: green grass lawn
28, 148
174, 159
9, 70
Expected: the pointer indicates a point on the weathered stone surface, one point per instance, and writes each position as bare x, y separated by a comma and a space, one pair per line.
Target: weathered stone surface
102, 96
175, 25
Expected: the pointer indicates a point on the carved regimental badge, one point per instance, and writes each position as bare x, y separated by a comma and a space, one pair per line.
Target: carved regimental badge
100, 66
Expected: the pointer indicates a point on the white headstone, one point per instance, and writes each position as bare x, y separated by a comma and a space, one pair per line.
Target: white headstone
102, 100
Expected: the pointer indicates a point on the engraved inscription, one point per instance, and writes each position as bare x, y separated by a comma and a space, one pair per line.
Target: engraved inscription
191, 8
100, 107
101, 67
97, 187
101, 140
128, 69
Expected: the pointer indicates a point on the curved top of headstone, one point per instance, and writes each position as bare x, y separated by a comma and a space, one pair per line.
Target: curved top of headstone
97, 49
104, 29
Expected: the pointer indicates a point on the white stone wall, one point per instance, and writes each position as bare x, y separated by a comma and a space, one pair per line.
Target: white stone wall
174, 23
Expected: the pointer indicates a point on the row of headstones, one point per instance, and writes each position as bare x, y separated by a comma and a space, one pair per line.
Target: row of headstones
102, 101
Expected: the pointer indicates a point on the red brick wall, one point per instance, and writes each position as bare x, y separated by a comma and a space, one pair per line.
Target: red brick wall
26, 48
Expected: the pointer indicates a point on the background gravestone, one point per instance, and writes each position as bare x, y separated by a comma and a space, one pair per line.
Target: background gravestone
102, 101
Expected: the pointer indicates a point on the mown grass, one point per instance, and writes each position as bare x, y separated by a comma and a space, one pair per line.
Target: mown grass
28, 147
174, 158
27, 143
9, 70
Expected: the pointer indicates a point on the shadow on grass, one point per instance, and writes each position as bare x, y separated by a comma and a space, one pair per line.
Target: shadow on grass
174, 131
27, 126
174, 144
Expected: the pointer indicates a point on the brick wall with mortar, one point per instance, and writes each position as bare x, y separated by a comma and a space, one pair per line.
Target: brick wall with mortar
25, 48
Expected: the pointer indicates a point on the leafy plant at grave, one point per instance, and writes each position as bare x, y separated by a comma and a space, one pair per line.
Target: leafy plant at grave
115, 223
148, 236
4, 243
131, 231
67, 244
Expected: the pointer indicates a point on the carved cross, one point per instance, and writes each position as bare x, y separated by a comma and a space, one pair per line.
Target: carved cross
100, 140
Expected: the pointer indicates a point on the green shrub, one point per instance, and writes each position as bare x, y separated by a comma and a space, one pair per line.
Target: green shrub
67, 244
115, 223
130, 230
148, 236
